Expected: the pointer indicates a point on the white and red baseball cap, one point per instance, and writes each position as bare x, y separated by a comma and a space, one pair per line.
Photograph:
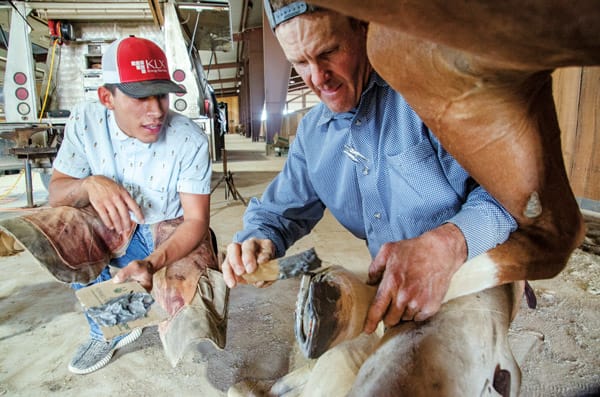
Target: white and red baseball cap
138, 67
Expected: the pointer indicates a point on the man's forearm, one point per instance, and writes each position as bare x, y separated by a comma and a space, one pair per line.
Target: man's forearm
186, 237
68, 191
484, 222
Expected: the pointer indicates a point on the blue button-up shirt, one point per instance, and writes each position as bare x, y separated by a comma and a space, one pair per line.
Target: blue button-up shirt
381, 173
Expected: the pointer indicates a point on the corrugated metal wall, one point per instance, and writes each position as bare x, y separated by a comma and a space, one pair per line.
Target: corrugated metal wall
70, 63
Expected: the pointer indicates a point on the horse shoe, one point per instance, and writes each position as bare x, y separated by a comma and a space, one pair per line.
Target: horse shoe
331, 308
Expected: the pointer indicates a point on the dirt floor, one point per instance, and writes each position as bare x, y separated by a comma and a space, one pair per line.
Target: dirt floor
557, 344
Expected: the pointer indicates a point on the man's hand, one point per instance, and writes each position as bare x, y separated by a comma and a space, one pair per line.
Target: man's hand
414, 276
112, 202
245, 258
138, 270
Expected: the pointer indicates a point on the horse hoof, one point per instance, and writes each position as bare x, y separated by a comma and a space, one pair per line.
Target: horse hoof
331, 308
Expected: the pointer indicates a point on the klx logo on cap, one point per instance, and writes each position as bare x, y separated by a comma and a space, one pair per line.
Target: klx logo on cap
150, 66
138, 67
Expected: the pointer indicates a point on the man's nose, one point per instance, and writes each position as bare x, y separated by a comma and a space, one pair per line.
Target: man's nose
154, 105
319, 74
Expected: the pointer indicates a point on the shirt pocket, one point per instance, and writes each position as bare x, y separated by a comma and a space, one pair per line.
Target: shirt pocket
418, 182
415, 165
153, 202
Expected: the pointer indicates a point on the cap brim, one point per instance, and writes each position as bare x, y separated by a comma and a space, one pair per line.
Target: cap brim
144, 89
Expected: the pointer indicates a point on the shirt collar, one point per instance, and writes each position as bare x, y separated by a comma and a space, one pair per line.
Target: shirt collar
117, 133
327, 115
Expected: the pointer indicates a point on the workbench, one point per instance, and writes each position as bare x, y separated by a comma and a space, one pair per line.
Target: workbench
28, 154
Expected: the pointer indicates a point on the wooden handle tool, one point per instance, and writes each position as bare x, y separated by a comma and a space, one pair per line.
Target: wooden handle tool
290, 266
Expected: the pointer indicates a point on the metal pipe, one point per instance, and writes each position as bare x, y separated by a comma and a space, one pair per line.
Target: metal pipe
28, 183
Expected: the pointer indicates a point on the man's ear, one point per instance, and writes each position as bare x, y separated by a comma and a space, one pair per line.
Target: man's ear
105, 97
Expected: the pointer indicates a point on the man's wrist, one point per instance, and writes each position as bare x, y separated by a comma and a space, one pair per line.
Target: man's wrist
453, 238
149, 266
156, 261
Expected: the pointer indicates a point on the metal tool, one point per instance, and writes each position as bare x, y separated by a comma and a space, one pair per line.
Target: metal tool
290, 266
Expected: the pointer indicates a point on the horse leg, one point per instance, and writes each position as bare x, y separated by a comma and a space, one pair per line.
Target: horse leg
462, 350
501, 126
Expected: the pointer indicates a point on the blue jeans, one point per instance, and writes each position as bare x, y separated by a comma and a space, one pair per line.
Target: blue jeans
141, 245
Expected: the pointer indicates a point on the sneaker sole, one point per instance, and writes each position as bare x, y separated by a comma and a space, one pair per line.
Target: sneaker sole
133, 335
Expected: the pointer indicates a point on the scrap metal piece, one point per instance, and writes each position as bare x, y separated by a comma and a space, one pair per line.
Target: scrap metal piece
121, 309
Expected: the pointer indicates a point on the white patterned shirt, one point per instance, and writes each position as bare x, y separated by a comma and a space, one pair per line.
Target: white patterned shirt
153, 173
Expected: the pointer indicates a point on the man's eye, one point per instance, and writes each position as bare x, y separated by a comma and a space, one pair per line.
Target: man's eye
328, 53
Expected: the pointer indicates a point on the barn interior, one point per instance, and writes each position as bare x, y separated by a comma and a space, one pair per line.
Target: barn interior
248, 99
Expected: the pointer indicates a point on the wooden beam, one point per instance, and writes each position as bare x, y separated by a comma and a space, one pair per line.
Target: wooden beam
225, 80
157, 14
226, 65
